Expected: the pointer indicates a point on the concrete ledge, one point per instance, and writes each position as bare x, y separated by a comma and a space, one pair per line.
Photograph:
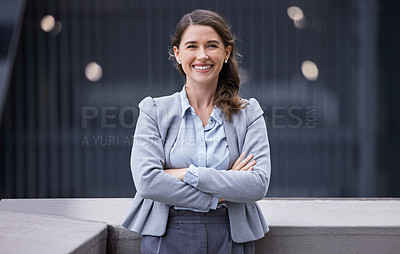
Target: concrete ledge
31, 233
331, 226
108, 211
297, 225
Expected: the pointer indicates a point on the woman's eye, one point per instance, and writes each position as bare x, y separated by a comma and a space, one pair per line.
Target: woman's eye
213, 46
190, 46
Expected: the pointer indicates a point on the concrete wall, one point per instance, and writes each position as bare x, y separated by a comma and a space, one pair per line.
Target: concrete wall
296, 226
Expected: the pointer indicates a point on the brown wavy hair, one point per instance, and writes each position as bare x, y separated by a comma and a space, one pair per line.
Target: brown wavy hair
227, 96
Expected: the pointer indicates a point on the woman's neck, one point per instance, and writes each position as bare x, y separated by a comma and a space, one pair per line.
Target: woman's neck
200, 97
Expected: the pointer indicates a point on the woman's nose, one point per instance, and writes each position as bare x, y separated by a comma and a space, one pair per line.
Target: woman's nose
202, 54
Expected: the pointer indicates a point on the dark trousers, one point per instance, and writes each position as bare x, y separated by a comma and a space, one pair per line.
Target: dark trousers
196, 233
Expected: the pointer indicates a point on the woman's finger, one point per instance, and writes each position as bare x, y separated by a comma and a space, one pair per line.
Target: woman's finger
245, 161
249, 166
238, 160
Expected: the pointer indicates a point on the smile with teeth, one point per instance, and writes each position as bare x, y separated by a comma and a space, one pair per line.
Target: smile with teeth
205, 67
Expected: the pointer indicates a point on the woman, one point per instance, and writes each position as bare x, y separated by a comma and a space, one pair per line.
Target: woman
196, 189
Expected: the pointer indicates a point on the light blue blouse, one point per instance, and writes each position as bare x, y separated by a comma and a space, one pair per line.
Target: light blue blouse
198, 146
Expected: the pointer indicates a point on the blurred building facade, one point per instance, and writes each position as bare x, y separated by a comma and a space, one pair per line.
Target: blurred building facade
323, 71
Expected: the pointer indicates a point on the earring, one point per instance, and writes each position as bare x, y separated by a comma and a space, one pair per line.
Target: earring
226, 60
179, 62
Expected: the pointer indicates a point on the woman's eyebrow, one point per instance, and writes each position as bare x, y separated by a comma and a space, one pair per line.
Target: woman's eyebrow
213, 41
190, 42
195, 42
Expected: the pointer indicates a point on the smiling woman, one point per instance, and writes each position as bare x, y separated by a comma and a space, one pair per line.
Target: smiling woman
214, 31
200, 158
201, 54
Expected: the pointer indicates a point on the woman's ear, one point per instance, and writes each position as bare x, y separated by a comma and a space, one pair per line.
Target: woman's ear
228, 51
176, 53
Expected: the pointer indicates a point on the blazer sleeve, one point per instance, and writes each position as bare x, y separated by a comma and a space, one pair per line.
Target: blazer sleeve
147, 166
243, 186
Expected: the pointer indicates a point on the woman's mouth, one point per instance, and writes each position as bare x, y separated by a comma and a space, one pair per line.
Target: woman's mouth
202, 67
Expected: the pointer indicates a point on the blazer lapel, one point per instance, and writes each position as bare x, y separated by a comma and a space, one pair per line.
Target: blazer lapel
173, 122
232, 139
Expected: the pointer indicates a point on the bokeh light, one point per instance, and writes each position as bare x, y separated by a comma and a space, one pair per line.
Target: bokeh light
309, 70
295, 13
57, 28
48, 22
93, 71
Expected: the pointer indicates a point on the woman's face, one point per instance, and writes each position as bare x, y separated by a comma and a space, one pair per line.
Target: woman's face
202, 54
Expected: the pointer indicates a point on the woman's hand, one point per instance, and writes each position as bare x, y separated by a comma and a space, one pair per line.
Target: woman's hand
177, 172
244, 165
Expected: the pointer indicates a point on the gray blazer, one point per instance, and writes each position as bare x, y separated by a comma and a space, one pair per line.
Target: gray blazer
156, 131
